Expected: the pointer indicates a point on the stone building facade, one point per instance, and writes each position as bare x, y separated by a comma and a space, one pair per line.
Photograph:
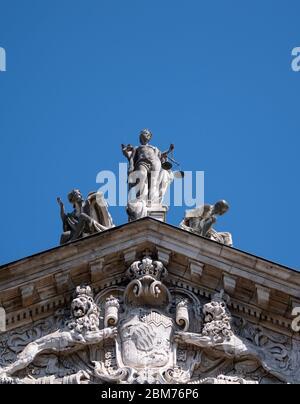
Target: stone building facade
148, 303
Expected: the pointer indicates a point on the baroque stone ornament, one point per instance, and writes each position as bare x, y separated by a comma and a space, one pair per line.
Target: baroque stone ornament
149, 176
90, 216
147, 331
201, 220
82, 329
146, 286
221, 379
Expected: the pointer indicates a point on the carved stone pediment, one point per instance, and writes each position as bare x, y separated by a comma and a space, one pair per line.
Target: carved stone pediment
147, 331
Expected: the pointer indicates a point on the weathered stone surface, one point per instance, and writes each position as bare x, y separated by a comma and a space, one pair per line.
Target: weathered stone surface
158, 335
229, 284
196, 268
263, 295
155, 293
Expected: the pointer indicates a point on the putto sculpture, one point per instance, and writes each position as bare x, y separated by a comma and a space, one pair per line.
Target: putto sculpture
201, 220
89, 216
148, 176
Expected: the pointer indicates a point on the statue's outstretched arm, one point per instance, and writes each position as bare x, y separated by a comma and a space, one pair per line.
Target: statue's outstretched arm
233, 347
127, 151
170, 150
58, 341
193, 339
62, 209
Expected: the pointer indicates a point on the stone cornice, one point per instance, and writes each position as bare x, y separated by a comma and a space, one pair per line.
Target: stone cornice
39, 284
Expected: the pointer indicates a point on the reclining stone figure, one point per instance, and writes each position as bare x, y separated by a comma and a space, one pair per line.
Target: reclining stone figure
201, 220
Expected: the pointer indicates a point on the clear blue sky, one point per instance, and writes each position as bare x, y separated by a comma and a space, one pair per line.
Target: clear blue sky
213, 77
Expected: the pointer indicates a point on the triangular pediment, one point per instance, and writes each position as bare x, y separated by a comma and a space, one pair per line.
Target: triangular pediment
151, 289
35, 287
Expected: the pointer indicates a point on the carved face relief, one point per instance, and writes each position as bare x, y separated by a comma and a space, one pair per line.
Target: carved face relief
145, 137
146, 339
75, 196
80, 307
84, 312
214, 311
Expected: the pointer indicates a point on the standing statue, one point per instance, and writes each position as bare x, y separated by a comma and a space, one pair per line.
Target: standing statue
148, 176
88, 217
201, 220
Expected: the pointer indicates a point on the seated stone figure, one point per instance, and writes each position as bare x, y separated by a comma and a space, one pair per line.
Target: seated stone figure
201, 220
88, 217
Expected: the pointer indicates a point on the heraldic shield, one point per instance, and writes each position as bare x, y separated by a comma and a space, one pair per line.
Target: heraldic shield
144, 330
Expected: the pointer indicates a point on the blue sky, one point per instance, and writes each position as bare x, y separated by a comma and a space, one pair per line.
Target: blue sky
214, 78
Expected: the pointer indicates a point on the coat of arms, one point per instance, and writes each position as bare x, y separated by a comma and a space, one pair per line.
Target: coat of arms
144, 332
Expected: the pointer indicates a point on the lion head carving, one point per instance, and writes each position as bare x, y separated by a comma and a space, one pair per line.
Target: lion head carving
217, 319
84, 311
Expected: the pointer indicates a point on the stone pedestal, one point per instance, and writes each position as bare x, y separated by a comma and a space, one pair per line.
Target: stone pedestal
158, 212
